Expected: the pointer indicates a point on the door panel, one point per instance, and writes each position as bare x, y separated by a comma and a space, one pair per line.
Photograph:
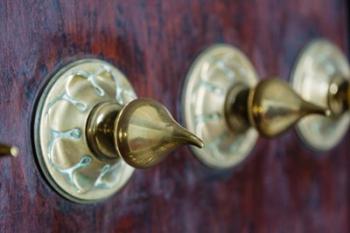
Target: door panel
281, 187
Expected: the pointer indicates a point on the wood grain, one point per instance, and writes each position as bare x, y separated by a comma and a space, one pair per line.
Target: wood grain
282, 187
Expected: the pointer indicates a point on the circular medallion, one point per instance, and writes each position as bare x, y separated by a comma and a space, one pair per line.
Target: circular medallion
207, 84
60, 135
318, 64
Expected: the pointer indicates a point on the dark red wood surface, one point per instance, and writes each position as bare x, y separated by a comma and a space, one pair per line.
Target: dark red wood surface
281, 187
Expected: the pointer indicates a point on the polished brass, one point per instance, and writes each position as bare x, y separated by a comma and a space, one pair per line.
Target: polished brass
322, 76
8, 150
271, 107
100, 130
145, 133
142, 132
217, 85
90, 131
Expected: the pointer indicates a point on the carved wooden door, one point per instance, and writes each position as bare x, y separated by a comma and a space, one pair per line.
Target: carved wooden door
281, 187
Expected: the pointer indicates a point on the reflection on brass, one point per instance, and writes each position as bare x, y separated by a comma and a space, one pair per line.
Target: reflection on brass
271, 107
321, 76
90, 131
142, 132
145, 133
224, 105
8, 150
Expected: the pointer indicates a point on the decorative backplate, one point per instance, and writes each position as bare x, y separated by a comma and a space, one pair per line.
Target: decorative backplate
59, 130
317, 65
210, 78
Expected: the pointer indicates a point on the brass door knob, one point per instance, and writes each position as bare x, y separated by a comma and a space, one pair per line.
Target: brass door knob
231, 108
8, 150
322, 76
91, 131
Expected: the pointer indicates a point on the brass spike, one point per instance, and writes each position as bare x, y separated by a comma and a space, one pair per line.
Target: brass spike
145, 132
272, 107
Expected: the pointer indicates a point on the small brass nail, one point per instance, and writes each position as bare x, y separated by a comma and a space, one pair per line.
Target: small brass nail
6, 150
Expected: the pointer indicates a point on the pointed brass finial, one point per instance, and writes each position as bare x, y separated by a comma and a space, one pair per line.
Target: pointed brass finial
145, 133
142, 132
6, 150
272, 107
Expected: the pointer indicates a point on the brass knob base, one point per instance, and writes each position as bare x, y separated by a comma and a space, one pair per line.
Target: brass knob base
99, 130
61, 142
318, 66
207, 84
